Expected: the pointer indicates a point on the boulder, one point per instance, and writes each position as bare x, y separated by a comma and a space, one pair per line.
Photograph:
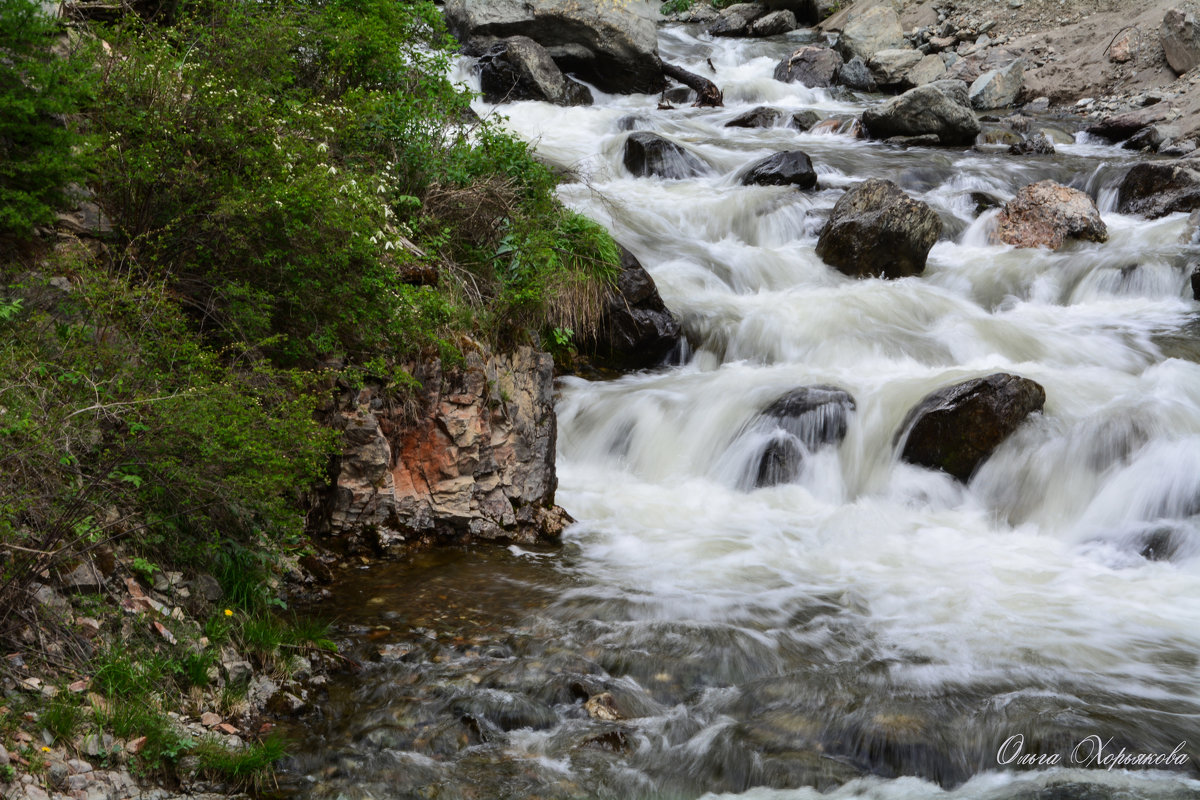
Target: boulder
519, 68
811, 66
648, 154
876, 229
774, 23
800, 422
1046, 214
1150, 138
941, 108
1180, 38
736, 20
998, 88
1037, 144
956, 428
855, 74
888, 67
804, 120
612, 45
472, 458
928, 69
1156, 188
1119, 127
870, 30
790, 168
808, 12
760, 117
636, 330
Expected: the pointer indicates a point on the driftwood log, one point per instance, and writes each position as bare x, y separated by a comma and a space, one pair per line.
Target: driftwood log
707, 91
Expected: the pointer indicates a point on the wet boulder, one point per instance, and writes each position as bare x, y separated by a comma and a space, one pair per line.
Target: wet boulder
855, 74
648, 154
790, 168
612, 45
956, 428
801, 421
519, 68
1036, 145
941, 108
1156, 188
1180, 37
811, 66
876, 230
804, 120
774, 23
998, 88
636, 330
736, 20
1047, 214
760, 117
868, 31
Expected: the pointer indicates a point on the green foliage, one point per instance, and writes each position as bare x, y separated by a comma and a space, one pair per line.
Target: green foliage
40, 154
675, 6
119, 672
61, 716
248, 766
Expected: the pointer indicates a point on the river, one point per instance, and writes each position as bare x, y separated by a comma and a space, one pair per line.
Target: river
872, 629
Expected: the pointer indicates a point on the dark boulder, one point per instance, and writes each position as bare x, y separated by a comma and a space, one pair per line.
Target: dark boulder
800, 422
1047, 214
1118, 127
855, 74
1036, 145
792, 167
761, 117
519, 68
956, 428
774, 23
636, 330
804, 120
942, 108
876, 229
648, 154
811, 66
1156, 188
736, 20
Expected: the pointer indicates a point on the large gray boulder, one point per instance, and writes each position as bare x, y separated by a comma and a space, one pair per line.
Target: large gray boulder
774, 23
956, 428
1180, 38
876, 230
636, 330
941, 108
1156, 188
809, 12
1047, 214
736, 20
998, 88
613, 45
648, 154
519, 68
811, 66
854, 74
889, 67
868, 31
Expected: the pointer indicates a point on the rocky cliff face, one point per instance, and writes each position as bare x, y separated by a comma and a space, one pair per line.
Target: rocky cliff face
476, 460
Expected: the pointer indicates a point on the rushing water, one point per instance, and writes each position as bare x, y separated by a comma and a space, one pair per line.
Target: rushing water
872, 629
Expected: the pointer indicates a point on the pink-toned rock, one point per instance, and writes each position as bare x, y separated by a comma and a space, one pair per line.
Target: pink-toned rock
1047, 214
210, 719
1122, 49
226, 728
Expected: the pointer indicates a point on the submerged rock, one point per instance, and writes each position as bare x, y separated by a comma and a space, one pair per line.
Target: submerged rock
1156, 188
804, 420
760, 117
956, 428
941, 108
792, 167
1047, 214
878, 230
804, 120
648, 154
519, 68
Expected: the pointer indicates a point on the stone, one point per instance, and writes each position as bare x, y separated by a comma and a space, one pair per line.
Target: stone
870, 30
1047, 214
998, 88
1180, 38
729, 25
1037, 144
648, 154
519, 68
477, 461
956, 428
4, 757
888, 67
790, 168
95, 744
261, 690
636, 330
208, 587
808, 12
1150, 138
941, 108
84, 578
611, 45
928, 69
1038, 104
603, 707
761, 117
774, 24
1156, 188
1121, 50
802, 421
877, 230
804, 120
855, 74
812, 66
1118, 127
237, 671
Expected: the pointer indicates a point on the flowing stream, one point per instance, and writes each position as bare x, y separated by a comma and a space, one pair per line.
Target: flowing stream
871, 629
